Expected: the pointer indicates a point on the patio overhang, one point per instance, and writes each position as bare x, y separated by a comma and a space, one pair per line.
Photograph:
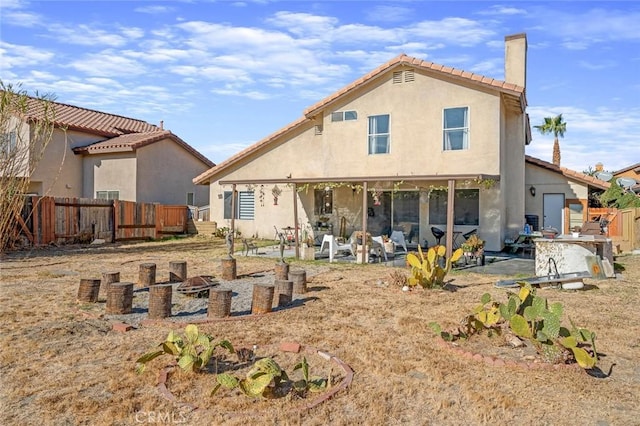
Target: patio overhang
354, 179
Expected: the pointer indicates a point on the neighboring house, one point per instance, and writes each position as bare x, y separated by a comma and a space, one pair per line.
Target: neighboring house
402, 134
93, 154
631, 172
557, 197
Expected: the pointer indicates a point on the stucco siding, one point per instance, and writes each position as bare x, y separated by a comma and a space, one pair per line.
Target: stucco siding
111, 172
165, 172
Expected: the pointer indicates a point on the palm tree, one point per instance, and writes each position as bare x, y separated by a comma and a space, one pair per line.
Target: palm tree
556, 126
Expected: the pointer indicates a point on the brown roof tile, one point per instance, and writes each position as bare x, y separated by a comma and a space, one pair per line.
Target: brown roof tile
88, 120
572, 174
134, 141
634, 167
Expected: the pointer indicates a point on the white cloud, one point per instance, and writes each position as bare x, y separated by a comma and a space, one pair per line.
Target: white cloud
386, 13
154, 9
108, 63
15, 56
502, 10
86, 35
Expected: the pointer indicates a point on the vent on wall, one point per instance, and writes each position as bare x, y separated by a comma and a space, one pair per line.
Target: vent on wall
405, 76
318, 129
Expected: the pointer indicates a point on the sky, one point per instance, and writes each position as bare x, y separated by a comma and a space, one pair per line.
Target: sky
223, 75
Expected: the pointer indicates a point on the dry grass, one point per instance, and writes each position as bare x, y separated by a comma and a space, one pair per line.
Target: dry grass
58, 367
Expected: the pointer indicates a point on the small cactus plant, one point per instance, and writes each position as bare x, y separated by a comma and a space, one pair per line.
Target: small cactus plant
430, 270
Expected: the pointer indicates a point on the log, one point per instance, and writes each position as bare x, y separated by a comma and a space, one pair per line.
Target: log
107, 279
229, 269
120, 299
262, 298
282, 271
147, 275
299, 279
283, 292
219, 303
177, 271
88, 290
160, 301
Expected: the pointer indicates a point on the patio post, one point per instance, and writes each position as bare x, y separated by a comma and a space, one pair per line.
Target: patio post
450, 217
233, 216
295, 220
365, 249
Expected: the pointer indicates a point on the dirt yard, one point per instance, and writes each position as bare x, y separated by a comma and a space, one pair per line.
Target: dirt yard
59, 366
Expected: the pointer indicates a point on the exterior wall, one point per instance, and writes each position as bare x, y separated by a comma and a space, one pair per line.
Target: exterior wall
549, 182
512, 176
59, 172
111, 172
164, 174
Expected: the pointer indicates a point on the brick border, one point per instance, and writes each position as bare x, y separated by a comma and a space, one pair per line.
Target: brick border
499, 362
283, 347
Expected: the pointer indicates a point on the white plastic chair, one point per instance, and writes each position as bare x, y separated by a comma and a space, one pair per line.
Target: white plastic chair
379, 240
398, 239
334, 247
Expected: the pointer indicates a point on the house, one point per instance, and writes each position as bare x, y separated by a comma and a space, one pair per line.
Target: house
558, 197
410, 146
94, 154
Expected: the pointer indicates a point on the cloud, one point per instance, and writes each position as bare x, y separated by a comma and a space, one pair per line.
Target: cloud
154, 9
85, 35
108, 63
502, 10
17, 56
386, 13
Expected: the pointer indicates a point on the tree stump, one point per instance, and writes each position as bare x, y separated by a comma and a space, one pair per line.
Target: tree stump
282, 271
262, 299
229, 269
177, 271
283, 292
299, 279
120, 298
147, 275
160, 301
88, 290
219, 303
107, 279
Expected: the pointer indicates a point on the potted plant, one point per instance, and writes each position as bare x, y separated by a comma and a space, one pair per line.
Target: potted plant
389, 246
308, 246
473, 248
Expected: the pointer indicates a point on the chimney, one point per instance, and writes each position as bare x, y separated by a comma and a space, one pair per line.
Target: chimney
599, 167
515, 59
161, 124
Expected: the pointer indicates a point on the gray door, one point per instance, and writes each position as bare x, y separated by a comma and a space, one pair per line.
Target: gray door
553, 208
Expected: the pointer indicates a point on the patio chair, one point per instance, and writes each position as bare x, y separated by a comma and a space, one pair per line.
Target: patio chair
398, 239
377, 250
437, 233
469, 234
334, 247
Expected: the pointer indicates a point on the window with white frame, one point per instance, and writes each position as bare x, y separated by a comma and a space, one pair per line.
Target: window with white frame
8, 143
379, 134
456, 128
245, 205
108, 195
344, 115
466, 207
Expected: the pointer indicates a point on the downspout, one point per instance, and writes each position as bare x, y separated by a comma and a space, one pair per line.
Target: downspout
233, 216
365, 250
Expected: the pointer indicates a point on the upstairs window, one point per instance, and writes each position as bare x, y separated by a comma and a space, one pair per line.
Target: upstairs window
8, 143
344, 115
379, 134
456, 129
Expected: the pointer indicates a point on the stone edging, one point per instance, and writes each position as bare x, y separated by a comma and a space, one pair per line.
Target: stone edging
499, 362
165, 392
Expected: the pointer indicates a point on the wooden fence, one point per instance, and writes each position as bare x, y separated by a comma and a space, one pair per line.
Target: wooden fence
47, 220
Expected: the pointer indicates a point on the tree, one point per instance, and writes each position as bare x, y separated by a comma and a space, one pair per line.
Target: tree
26, 127
558, 127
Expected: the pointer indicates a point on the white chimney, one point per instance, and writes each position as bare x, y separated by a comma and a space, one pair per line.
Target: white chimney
515, 59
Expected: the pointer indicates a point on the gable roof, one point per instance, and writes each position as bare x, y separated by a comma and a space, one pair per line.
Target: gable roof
429, 67
133, 141
88, 120
571, 174
515, 92
634, 167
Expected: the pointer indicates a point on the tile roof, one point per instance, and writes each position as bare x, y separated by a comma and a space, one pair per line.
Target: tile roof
83, 119
402, 59
634, 167
445, 71
133, 141
571, 174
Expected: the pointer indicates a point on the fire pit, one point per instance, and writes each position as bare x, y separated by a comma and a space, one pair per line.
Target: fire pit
197, 286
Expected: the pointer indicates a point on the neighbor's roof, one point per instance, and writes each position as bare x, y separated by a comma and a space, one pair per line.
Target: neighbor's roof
134, 141
88, 120
571, 174
634, 167
515, 91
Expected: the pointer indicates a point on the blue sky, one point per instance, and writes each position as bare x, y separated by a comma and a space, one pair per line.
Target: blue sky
225, 74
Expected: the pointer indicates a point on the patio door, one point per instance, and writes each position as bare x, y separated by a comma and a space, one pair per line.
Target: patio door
379, 214
553, 209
